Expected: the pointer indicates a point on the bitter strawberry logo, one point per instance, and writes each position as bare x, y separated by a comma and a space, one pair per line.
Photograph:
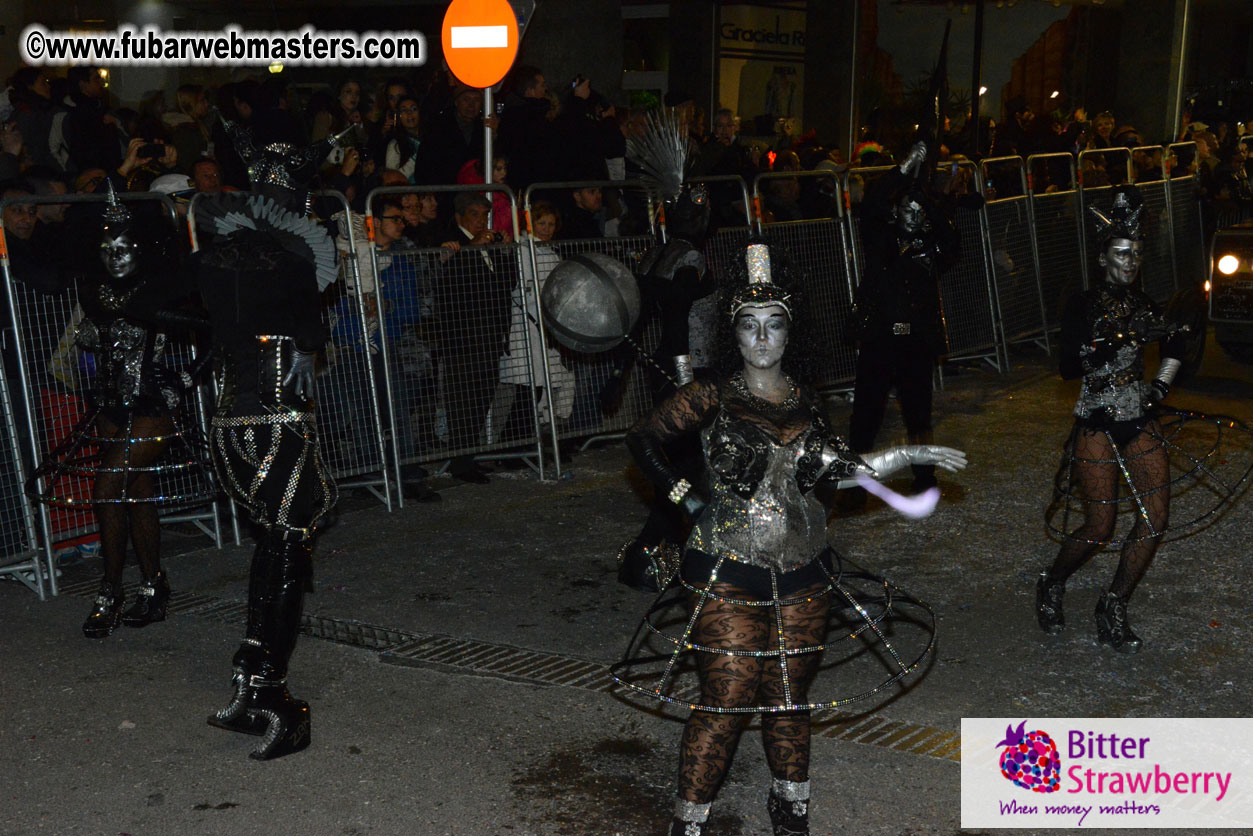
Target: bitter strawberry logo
1030, 759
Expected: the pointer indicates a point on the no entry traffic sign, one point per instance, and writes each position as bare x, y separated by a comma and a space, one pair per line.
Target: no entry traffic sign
480, 39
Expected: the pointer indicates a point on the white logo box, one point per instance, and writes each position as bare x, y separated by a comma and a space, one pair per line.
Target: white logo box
1115, 772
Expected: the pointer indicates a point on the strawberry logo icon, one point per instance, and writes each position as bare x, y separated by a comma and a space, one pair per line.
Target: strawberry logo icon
1030, 759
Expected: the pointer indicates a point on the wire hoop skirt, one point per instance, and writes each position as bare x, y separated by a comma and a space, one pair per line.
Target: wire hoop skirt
1211, 457
67, 476
875, 635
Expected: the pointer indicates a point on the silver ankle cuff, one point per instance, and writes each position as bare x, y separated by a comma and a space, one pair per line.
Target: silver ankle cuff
790, 790
685, 810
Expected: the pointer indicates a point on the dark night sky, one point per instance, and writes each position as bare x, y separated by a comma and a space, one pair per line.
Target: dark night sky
912, 35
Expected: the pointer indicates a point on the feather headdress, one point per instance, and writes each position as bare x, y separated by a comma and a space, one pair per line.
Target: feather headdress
661, 152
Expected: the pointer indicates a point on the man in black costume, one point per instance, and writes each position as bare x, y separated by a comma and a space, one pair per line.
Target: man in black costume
673, 280
908, 239
260, 271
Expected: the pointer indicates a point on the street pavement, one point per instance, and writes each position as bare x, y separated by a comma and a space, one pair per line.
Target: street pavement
455, 656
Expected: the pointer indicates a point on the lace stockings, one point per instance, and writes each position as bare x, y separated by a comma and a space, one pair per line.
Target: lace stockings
1098, 476
709, 739
139, 520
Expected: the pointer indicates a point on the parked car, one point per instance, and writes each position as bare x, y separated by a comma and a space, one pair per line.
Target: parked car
1231, 291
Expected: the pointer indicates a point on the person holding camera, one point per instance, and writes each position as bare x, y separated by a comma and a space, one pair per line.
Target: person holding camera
146, 161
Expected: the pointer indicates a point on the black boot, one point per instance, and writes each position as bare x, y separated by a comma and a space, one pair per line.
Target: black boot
235, 716
285, 720
788, 806
106, 613
275, 596
1112, 626
150, 602
1048, 604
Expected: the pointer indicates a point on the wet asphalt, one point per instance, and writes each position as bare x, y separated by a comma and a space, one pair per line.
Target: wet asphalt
455, 652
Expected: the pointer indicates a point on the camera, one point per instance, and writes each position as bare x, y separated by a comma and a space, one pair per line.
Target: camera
577, 80
150, 150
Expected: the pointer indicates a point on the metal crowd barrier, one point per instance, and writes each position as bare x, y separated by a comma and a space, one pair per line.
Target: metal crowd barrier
820, 250
1014, 257
20, 557
1187, 229
1053, 187
54, 379
456, 348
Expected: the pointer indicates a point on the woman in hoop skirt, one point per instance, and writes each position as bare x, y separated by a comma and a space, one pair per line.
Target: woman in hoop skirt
1123, 441
758, 581
123, 441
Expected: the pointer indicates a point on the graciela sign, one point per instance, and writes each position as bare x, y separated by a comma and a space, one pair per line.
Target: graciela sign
1107, 772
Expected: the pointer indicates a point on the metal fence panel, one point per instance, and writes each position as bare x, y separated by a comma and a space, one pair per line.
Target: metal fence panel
1157, 274
818, 250
966, 293
1015, 269
1191, 258
19, 543
348, 410
1057, 240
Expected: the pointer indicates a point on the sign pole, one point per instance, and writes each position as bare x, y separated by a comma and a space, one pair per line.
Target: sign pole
487, 148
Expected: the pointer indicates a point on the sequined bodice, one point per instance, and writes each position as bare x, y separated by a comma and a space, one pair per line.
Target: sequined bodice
130, 372
1113, 386
758, 513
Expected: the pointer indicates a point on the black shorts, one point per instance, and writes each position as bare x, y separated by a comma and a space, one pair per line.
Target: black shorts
698, 566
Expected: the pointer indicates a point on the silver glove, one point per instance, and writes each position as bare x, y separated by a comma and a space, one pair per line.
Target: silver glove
916, 157
883, 463
299, 379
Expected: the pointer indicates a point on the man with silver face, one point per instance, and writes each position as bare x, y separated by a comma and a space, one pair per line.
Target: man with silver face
1116, 437
260, 271
908, 239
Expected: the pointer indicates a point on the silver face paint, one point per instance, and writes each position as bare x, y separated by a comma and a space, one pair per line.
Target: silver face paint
910, 216
1121, 259
120, 256
761, 334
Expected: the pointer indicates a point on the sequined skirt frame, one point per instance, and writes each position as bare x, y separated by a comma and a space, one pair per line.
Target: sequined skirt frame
1211, 458
876, 634
67, 476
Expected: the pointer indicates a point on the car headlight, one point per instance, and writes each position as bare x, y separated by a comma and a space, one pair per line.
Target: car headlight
1228, 264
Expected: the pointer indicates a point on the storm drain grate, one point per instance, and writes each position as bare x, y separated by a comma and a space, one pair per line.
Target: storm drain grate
516, 664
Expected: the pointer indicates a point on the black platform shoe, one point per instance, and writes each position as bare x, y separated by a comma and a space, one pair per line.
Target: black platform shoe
106, 613
151, 602
1112, 626
689, 818
286, 720
789, 811
235, 716
1048, 604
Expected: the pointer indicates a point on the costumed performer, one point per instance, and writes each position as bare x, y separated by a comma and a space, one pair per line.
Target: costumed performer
758, 582
260, 271
135, 403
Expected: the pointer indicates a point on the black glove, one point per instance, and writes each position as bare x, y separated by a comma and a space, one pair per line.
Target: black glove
1158, 390
300, 377
652, 462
